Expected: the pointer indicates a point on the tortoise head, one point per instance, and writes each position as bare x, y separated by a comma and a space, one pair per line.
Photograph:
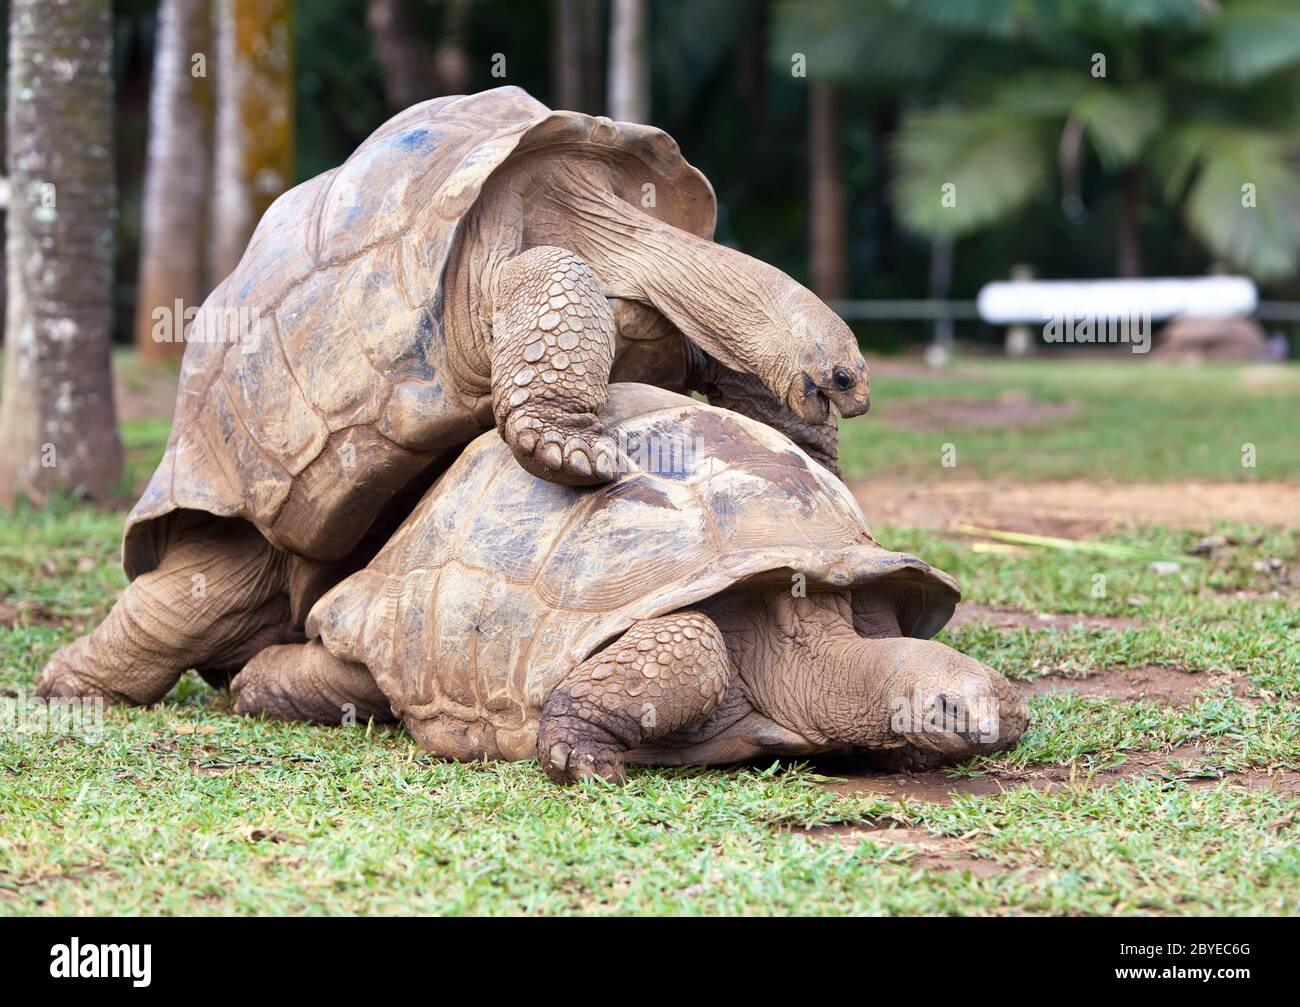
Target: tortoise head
830, 367
753, 318
811, 674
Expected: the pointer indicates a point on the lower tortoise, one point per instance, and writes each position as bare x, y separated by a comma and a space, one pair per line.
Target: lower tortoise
722, 599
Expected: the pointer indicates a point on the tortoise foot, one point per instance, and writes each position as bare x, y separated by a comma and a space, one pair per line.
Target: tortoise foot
661, 679
64, 677
573, 449
569, 756
552, 348
304, 681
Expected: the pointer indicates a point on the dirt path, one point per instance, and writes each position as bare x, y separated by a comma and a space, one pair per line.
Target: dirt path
1075, 507
143, 391
930, 852
852, 777
1152, 683
1010, 409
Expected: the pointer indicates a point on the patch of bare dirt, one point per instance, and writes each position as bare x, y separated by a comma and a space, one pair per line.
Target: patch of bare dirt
936, 787
853, 776
1151, 683
1284, 781
26, 613
930, 852
1075, 508
1009, 409
1012, 618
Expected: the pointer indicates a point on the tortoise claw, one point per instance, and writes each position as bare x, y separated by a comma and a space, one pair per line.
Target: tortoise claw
562, 454
568, 763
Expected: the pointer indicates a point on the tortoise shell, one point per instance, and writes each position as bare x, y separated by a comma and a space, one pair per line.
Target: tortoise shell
499, 583
317, 383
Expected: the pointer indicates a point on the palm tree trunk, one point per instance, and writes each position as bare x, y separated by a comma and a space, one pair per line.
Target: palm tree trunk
629, 62
941, 256
451, 61
58, 427
174, 215
254, 121
826, 195
568, 55
407, 65
1130, 230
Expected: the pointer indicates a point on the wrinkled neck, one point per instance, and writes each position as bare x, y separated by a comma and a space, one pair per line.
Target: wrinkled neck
805, 667
851, 697
725, 302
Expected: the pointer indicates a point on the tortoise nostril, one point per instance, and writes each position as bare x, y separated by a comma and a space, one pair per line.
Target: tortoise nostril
843, 379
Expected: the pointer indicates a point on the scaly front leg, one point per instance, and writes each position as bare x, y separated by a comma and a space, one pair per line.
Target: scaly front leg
663, 676
552, 348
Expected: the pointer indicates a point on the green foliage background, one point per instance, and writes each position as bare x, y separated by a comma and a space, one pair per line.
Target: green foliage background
1197, 97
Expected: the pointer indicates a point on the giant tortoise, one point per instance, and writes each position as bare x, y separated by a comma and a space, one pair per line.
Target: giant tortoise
723, 598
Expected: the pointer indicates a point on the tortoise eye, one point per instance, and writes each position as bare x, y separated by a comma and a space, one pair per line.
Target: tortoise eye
843, 379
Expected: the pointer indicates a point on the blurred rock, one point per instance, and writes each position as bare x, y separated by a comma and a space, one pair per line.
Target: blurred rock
1208, 544
1198, 339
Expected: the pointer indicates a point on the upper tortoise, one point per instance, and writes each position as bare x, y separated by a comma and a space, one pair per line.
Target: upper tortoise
722, 599
478, 260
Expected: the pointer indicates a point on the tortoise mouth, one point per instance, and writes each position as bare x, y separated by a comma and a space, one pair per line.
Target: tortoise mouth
808, 401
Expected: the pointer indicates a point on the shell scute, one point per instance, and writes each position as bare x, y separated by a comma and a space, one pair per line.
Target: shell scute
516, 550
401, 338
408, 637
282, 248
416, 417
266, 483
453, 636
271, 404
653, 543
323, 359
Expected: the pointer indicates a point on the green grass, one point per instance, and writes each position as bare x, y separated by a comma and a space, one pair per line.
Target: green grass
263, 819
1137, 422
185, 808
1216, 614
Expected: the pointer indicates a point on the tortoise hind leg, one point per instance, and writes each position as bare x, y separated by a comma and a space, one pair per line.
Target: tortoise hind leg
661, 677
552, 348
220, 585
304, 681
